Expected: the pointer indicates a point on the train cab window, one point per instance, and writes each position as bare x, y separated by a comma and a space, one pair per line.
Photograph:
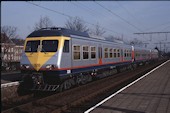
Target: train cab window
106, 53
85, 52
111, 53
118, 53
49, 45
66, 46
114, 53
93, 52
32, 46
76, 52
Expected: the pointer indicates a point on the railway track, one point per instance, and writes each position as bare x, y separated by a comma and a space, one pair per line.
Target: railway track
80, 98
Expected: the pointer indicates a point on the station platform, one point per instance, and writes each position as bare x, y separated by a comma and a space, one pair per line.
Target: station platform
151, 94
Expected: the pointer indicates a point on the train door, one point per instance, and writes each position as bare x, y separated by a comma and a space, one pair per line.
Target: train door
100, 54
150, 54
133, 54
66, 60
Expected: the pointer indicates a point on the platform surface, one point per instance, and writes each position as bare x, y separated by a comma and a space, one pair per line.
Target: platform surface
149, 95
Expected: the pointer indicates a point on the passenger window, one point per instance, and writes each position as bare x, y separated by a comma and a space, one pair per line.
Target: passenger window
114, 53
66, 46
106, 52
111, 54
125, 53
93, 52
118, 53
76, 52
85, 52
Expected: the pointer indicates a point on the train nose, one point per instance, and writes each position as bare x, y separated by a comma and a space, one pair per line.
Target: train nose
37, 66
37, 60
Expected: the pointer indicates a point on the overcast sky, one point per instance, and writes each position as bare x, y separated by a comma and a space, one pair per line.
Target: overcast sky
132, 16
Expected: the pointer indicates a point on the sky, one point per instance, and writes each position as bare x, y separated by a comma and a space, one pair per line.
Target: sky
118, 18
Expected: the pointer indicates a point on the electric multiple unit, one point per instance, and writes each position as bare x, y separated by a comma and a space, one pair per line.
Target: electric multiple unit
58, 58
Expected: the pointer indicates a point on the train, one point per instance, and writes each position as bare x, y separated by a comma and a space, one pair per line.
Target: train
58, 58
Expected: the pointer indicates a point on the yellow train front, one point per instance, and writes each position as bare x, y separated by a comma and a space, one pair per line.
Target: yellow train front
41, 59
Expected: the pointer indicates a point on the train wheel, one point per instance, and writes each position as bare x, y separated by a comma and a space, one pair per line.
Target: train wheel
83, 78
66, 85
130, 67
61, 88
89, 78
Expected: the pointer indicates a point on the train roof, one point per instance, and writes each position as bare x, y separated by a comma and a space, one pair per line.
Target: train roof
56, 32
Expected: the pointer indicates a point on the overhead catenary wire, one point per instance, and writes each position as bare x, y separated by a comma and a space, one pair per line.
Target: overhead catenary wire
66, 15
85, 8
166, 23
118, 16
92, 11
129, 13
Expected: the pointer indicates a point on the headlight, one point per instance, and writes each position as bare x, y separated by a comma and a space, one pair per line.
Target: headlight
50, 66
25, 66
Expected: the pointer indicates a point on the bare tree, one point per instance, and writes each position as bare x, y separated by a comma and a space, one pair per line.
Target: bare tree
7, 34
8, 31
44, 22
76, 24
98, 31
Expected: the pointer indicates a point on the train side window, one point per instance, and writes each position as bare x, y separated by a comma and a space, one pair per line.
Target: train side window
85, 52
66, 46
125, 53
136, 55
118, 53
106, 52
93, 52
114, 53
76, 52
111, 53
